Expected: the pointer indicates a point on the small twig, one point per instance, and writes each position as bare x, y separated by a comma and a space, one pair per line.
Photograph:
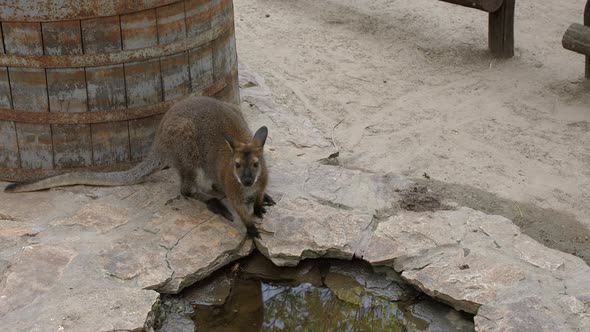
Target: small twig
358, 78
519, 210
334, 139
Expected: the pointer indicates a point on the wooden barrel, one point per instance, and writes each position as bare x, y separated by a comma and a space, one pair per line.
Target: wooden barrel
83, 83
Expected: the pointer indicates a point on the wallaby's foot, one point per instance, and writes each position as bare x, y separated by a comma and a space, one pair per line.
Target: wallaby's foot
168, 202
252, 232
259, 211
214, 205
268, 201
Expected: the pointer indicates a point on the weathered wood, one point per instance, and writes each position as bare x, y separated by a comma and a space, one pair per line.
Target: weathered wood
61, 38
110, 143
171, 23
201, 67
8, 143
139, 29
143, 83
29, 93
577, 39
197, 17
489, 6
101, 35
141, 136
501, 30
9, 156
175, 76
223, 57
72, 146
587, 23
67, 93
106, 88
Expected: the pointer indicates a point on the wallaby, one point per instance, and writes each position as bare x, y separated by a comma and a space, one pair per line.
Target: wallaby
210, 145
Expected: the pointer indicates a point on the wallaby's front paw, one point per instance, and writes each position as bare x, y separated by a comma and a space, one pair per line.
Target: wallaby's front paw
214, 205
268, 201
259, 211
253, 232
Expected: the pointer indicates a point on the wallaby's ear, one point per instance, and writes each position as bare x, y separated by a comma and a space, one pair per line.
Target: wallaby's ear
230, 142
260, 136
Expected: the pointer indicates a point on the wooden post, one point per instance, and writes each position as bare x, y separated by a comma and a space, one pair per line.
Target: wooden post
587, 23
501, 30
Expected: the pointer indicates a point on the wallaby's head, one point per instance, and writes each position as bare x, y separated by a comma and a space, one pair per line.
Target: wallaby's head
247, 157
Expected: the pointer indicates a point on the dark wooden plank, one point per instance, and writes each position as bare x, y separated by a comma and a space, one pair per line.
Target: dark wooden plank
29, 93
139, 29
143, 83
35, 145
201, 67
62, 38
72, 146
489, 6
106, 88
501, 30
22, 38
9, 156
106, 91
110, 143
224, 56
101, 35
587, 23
67, 90
197, 17
141, 135
577, 39
171, 23
175, 75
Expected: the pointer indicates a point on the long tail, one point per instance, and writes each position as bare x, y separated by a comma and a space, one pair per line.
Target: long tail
134, 175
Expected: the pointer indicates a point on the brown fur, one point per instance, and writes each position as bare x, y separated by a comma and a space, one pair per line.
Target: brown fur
202, 138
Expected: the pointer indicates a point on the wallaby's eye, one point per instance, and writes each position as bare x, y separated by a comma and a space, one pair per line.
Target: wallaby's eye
238, 165
255, 164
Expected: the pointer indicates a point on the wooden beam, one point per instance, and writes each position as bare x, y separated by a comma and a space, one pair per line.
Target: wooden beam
501, 30
577, 39
489, 6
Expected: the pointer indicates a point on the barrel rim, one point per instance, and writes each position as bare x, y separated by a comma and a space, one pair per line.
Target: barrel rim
114, 58
59, 10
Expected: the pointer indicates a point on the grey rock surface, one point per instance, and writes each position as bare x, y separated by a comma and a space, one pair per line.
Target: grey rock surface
94, 259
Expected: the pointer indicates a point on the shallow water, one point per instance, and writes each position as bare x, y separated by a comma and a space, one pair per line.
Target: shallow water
318, 295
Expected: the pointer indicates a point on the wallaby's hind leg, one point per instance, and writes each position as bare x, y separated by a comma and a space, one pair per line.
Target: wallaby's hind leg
260, 203
268, 201
216, 206
187, 182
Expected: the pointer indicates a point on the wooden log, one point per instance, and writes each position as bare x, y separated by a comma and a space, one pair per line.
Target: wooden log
489, 6
577, 39
501, 30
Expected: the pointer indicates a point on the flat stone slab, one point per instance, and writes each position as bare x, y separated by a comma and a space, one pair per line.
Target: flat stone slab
94, 259
478, 263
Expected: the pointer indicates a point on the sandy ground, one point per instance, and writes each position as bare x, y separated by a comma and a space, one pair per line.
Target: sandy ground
412, 89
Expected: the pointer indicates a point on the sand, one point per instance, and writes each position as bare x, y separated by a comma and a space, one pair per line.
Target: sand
409, 87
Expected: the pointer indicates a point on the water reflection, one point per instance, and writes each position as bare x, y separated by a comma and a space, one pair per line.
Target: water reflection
321, 295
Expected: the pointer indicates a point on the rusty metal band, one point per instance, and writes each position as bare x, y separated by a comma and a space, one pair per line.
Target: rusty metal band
114, 58
110, 116
60, 10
